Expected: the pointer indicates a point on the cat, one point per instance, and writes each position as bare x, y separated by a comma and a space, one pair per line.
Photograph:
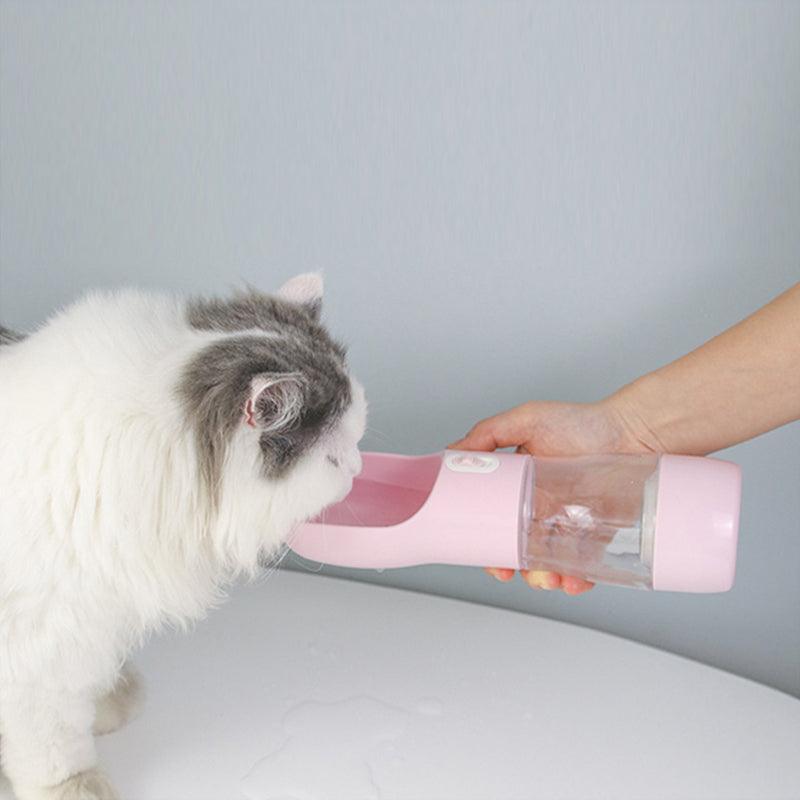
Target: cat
153, 450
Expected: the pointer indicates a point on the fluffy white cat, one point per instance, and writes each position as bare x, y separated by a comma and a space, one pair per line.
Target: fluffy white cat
153, 450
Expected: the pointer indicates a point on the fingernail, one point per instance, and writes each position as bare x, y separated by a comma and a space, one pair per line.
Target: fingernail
534, 580
539, 578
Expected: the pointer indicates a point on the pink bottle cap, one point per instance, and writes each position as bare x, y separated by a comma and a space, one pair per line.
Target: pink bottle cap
697, 524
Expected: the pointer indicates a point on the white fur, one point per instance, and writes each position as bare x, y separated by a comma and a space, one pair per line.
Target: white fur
105, 534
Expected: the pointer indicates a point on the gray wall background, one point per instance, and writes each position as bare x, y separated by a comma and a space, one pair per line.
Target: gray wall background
509, 201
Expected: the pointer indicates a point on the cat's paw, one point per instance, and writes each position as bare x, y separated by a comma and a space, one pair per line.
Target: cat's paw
121, 704
88, 785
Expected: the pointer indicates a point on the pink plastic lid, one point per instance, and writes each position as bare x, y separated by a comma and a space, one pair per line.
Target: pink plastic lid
697, 524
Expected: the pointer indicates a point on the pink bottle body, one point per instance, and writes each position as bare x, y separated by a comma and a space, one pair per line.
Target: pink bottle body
646, 521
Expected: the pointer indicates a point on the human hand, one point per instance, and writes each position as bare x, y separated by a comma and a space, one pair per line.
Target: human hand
558, 429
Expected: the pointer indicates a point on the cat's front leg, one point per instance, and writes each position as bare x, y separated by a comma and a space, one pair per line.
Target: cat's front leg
121, 704
48, 749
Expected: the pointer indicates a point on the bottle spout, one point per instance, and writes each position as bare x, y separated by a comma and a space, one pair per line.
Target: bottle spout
368, 528
449, 508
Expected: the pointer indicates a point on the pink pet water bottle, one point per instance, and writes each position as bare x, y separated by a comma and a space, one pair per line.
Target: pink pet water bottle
661, 522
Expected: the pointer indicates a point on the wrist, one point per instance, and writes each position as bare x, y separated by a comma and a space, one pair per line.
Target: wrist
637, 417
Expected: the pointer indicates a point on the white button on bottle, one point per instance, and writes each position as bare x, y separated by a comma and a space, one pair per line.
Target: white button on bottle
471, 462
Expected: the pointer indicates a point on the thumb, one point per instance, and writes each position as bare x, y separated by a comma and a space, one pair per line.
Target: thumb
503, 430
481, 437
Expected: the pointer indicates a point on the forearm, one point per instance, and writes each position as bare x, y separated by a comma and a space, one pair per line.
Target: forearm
744, 382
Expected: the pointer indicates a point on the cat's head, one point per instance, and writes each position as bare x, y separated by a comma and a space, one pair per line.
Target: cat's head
274, 408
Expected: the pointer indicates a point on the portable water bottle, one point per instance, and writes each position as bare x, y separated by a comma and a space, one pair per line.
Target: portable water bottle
661, 522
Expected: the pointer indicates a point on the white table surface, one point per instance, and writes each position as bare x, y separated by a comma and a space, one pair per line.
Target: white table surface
313, 688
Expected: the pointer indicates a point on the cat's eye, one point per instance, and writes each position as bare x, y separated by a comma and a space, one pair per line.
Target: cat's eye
333, 460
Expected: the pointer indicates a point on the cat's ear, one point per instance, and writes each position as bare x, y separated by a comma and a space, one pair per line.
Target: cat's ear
275, 402
305, 290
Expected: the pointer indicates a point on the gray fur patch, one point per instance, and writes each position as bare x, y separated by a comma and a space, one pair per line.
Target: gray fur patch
216, 386
9, 337
255, 310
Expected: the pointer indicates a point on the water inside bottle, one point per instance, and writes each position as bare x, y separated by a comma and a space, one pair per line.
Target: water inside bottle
592, 517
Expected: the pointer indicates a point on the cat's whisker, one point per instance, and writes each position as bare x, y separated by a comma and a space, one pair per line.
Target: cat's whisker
299, 560
380, 435
350, 508
384, 440
272, 564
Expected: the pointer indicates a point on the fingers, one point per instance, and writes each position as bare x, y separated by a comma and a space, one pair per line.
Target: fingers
501, 574
569, 584
573, 586
539, 579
